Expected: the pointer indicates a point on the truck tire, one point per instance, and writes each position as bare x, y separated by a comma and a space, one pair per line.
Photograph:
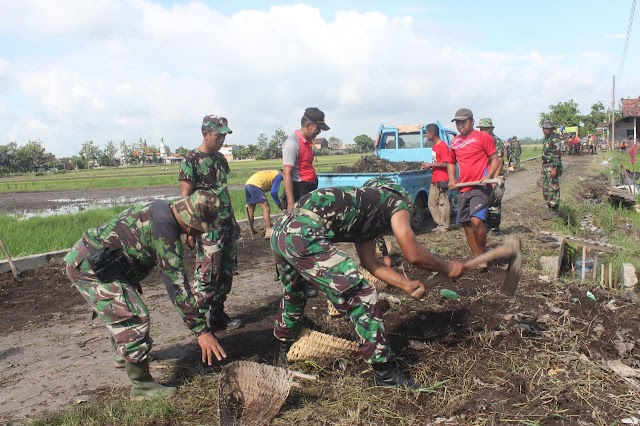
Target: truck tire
418, 214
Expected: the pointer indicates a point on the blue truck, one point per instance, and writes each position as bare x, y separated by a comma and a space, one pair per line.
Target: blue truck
399, 143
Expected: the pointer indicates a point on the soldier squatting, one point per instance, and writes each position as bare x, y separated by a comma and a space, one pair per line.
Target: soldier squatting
107, 264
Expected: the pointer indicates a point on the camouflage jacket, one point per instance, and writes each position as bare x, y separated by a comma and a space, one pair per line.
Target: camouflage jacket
499, 146
209, 171
516, 149
353, 214
149, 236
551, 151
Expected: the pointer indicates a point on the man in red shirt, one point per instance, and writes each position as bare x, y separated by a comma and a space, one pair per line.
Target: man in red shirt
442, 171
477, 158
298, 174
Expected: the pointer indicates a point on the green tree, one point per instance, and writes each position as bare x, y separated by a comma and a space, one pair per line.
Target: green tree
562, 113
125, 153
31, 156
335, 143
597, 115
109, 153
363, 144
181, 151
8, 158
89, 153
276, 142
262, 147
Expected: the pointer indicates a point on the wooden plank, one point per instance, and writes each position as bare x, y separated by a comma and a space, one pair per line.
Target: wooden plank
608, 248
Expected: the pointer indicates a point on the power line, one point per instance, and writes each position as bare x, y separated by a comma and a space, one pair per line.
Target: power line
626, 41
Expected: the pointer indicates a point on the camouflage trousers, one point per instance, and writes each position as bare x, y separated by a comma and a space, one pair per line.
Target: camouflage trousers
216, 259
550, 187
515, 161
304, 255
495, 207
118, 304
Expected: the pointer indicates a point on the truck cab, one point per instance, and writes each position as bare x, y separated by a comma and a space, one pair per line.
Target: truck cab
408, 142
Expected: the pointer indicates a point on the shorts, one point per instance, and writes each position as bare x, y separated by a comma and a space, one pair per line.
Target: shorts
254, 195
473, 203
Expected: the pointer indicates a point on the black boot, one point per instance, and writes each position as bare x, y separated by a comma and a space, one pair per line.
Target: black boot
388, 375
310, 291
219, 320
281, 355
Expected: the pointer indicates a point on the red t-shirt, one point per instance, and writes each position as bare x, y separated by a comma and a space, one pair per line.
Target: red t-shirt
472, 155
441, 154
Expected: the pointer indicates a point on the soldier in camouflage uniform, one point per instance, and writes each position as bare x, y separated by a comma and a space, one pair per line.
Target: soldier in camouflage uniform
304, 244
551, 169
516, 151
216, 251
108, 263
495, 201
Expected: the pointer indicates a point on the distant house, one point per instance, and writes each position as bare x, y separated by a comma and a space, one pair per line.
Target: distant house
227, 151
320, 143
626, 127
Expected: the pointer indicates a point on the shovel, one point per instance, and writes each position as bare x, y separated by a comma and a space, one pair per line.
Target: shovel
511, 249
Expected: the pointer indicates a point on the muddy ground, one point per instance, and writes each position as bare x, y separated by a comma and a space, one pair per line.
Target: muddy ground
544, 357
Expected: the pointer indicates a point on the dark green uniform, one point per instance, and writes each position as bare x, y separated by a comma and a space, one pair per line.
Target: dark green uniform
551, 158
303, 242
216, 251
147, 235
495, 201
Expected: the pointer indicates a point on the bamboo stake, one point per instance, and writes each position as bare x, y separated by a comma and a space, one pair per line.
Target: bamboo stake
11, 265
584, 262
594, 273
602, 275
610, 276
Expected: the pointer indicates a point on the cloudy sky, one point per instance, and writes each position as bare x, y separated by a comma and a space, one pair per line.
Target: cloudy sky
77, 70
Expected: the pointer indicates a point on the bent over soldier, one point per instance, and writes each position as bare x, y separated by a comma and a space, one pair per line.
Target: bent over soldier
216, 251
304, 244
551, 169
108, 263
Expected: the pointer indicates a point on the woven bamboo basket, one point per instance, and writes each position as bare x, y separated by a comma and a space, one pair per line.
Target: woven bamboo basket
251, 394
319, 346
377, 283
333, 312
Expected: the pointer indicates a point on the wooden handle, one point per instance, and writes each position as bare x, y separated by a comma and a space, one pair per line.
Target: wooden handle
477, 182
11, 265
303, 375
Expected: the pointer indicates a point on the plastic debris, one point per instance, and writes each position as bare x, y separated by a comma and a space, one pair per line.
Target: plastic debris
591, 296
449, 294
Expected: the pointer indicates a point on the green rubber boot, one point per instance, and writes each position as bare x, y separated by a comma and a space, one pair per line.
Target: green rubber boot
144, 387
118, 361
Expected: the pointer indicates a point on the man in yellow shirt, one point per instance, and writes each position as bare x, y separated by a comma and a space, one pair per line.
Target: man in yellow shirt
255, 192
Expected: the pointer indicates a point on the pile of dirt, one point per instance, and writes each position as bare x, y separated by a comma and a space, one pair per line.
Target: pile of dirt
373, 164
594, 188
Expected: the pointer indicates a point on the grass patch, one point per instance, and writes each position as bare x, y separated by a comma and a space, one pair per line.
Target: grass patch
138, 177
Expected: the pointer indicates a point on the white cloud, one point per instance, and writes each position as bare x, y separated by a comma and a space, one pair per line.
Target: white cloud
134, 69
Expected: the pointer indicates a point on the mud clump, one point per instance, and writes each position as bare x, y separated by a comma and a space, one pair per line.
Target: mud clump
594, 188
373, 164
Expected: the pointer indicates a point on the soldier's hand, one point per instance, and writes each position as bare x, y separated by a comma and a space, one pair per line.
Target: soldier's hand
210, 348
456, 268
554, 172
415, 289
425, 166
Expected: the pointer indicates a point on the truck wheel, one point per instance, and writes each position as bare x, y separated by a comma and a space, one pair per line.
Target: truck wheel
419, 211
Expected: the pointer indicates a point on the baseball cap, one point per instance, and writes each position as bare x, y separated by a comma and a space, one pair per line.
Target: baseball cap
485, 122
316, 116
198, 210
463, 114
218, 124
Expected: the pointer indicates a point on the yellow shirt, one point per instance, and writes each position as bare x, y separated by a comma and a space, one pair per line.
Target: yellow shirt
263, 180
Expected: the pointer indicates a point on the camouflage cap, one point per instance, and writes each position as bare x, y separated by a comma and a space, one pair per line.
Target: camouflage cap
218, 124
514, 138
198, 210
485, 122
389, 184
548, 124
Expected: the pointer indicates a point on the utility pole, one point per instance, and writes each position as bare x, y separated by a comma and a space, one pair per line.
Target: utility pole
613, 113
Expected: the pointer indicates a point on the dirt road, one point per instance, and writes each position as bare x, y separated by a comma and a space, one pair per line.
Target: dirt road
52, 355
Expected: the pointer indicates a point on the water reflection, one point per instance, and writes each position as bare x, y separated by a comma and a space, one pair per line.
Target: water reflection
76, 205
